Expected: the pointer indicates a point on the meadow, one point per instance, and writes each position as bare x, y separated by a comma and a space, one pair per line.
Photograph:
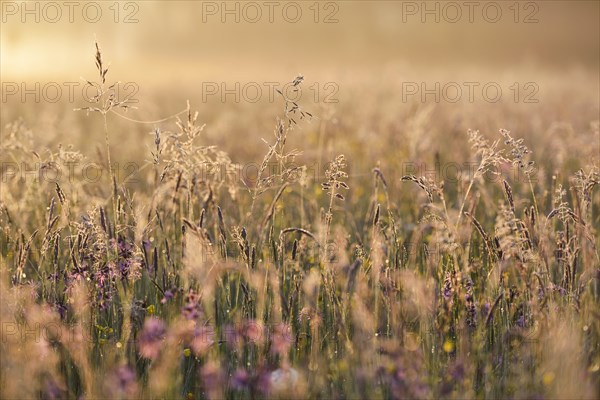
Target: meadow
380, 247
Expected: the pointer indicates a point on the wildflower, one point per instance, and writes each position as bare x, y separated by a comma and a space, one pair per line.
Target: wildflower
241, 380
447, 291
262, 381
281, 340
121, 382
151, 337
168, 296
191, 310
202, 340
213, 378
402, 374
61, 309
127, 258
256, 381
470, 305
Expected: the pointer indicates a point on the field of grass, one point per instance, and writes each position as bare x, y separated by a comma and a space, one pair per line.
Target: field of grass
374, 248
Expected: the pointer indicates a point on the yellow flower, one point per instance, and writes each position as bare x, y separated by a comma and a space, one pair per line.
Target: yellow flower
448, 346
548, 378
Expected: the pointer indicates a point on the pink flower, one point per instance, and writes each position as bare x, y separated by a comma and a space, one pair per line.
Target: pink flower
202, 340
281, 340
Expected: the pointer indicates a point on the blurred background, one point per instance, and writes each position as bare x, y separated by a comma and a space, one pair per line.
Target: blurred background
187, 41
355, 56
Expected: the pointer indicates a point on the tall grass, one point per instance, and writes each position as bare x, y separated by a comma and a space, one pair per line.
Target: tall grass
200, 284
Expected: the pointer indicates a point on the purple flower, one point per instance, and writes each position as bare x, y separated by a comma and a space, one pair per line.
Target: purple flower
258, 381
447, 290
213, 378
121, 381
168, 296
458, 372
263, 382
151, 337
61, 309
191, 310
126, 256
124, 266
241, 380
